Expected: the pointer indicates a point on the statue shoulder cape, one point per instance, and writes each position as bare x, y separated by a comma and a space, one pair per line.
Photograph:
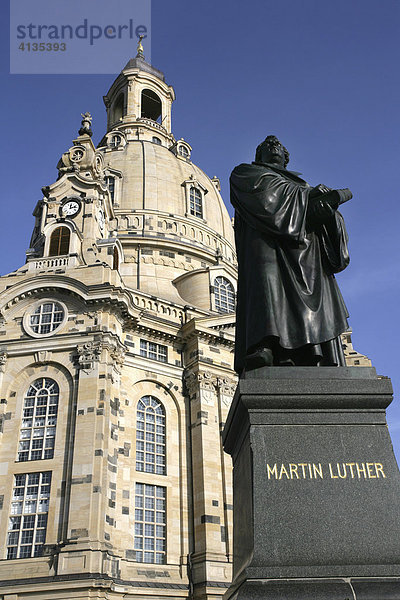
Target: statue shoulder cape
245, 176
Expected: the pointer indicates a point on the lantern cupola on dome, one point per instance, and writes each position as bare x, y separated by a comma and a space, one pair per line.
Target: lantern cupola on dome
141, 100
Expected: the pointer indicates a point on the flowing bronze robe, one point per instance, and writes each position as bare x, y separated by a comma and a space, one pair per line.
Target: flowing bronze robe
286, 286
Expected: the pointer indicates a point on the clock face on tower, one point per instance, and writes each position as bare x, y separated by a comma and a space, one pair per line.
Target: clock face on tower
71, 207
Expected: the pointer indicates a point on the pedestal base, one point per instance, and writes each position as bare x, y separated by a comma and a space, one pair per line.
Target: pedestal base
318, 589
316, 486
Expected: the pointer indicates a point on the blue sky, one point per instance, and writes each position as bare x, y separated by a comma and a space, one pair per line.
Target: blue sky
321, 75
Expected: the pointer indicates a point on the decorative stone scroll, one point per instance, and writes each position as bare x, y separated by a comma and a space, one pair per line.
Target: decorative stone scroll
88, 354
196, 381
3, 360
226, 385
208, 385
117, 355
226, 389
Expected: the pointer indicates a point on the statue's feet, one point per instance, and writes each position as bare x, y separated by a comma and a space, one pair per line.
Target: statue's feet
260, 358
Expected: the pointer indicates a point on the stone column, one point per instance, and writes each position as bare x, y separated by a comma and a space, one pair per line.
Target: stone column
226, 388
208, 559
91, 506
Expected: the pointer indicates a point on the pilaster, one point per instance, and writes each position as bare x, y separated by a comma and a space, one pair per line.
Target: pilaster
211, 506
91, 519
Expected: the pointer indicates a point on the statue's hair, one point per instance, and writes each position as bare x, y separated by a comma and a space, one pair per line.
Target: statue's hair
271, 138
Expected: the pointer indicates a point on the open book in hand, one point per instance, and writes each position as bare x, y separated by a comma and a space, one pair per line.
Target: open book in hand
335, 197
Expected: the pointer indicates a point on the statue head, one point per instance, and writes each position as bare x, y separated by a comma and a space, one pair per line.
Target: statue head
272, 151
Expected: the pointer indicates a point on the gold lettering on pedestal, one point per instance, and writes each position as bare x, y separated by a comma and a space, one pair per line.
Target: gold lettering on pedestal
303, 467
295, 471
379, 469
331, 474
351, 465
272, 472
317, 471
361, 469
283, 472
343, 470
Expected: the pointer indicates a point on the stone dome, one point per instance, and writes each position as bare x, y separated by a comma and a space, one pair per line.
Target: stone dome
155, 179
169, 215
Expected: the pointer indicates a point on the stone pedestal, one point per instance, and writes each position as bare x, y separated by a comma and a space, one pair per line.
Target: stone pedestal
316, 486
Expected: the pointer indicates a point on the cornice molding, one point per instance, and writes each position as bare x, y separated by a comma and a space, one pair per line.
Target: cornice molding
105, 295
194, 329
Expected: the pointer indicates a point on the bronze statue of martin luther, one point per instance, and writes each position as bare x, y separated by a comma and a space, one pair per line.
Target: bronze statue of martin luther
290, 241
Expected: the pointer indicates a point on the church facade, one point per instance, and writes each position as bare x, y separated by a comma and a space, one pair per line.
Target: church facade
116, 369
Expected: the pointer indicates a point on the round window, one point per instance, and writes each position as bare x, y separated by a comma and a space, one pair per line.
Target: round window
44, 318
77, 155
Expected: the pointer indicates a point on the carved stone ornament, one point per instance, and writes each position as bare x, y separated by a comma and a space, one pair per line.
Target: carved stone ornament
200, 381
88, 354
42, 356
118, 356
226, 389
3, 360
207, 381
208, 396
86, 124
226, 386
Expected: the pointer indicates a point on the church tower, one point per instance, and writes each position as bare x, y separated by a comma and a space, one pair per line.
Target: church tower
116, 355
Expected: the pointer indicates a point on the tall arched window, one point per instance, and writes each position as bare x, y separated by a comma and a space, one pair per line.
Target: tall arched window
196, 202
39, 420
224, 294
59, 241
110, 182
150, 436
151, 105
115, 259
118, 111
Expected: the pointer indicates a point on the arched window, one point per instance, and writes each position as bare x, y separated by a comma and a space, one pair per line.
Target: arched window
183, 151
39, 420
151, 105
115, 259
224, 294
118, 108
59, 241
150, 436
110, 181
156, 140
196, 202
115, 141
